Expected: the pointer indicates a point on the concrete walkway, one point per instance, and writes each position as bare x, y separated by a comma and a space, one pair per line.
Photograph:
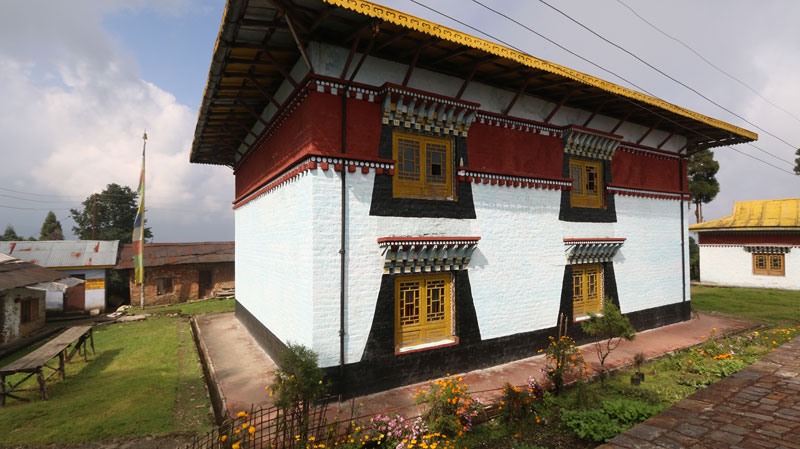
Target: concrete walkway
238, 364
756, 408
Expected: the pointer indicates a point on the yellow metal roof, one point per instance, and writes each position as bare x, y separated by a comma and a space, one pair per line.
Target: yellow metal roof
757, 215
442, 32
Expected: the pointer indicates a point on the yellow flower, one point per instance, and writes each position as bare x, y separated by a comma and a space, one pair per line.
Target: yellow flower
244, 425
252, 430
235, 446
241, 415
223, 438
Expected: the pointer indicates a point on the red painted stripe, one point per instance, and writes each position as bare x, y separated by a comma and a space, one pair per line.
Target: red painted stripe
426, 239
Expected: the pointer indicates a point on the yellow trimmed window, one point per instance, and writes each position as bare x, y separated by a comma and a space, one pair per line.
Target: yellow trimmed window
769, 264
587, 183
424, 167
587, 290
422, 309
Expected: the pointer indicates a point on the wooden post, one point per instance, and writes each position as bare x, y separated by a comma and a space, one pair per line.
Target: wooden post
61, 364
2, 389
91, 338
42, 385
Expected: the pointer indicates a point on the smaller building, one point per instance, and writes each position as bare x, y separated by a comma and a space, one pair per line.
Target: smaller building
23, 287
178, 272
88, 260
757, 246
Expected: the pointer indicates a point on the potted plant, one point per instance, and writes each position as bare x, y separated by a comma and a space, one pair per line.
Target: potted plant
638, 361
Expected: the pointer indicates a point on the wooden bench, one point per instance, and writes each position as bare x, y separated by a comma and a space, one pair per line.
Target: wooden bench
35, 362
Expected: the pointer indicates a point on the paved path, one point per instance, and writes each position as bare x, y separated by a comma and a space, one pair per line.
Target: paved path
756, 408
239, 363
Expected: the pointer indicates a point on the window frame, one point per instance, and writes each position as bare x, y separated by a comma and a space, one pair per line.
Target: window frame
581, 311
422, 188
768, 263
160, 288
29, 310
578, 197
441, 332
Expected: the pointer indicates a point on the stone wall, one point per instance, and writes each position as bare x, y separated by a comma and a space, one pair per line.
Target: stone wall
10, 314
185, 282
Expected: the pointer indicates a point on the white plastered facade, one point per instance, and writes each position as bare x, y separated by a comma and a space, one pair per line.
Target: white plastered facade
733, 266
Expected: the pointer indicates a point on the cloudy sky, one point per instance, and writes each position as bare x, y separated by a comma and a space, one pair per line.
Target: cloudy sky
79, 81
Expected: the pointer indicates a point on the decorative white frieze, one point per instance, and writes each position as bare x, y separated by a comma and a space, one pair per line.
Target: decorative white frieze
767, 249
424, 113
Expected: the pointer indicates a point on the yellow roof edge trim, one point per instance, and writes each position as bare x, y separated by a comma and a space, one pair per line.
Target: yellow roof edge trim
433, 29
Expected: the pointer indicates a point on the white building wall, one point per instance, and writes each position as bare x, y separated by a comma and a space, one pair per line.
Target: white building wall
733, 266
516, 273
93, 298
274, 260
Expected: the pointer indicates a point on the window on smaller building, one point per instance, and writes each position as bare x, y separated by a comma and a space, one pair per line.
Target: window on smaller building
587, 290
165, 286
424, 167
769, 264
587, 183
422, 309
29, 310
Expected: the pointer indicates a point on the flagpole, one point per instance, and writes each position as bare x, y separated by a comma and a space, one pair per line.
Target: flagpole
141, 290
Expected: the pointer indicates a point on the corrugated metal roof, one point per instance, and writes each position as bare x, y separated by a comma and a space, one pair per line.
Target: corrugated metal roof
64, 253
156, 254
757, 215
17, 273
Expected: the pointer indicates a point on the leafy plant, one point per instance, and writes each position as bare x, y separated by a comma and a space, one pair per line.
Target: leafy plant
299, 383
629, 412
449, 408
611, 328
593, 425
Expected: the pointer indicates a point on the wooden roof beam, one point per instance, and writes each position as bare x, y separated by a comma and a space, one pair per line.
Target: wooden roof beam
264, 93
647, 133
666, 139
516, 97
472, 75
252, 111
594, 113
613, 130
559, 105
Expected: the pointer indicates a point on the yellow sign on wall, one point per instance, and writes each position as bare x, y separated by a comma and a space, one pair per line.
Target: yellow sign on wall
95, 284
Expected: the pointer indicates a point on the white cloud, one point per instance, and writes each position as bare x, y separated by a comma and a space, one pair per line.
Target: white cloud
74, 108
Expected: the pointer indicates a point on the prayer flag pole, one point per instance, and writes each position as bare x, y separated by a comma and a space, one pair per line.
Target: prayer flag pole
138, 232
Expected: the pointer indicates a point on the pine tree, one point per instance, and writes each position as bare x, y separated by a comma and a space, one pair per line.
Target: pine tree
702, 180
10, 234
51, 228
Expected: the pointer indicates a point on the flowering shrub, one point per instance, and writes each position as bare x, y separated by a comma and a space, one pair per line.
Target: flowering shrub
398, 431
449, 407
563, 360
240, 434
517, 404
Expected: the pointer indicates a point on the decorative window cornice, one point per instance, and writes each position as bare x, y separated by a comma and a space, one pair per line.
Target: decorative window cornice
426, 254
767, 249
592, 250
422, 112
585, 142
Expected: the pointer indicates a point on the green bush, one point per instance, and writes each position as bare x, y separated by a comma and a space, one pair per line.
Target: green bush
610, 329
592, 425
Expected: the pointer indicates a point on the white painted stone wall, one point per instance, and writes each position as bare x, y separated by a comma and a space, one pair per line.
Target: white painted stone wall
10, 326
516, 273
274, 260
733, 266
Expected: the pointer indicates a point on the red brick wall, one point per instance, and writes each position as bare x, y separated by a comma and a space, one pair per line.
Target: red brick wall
185, 282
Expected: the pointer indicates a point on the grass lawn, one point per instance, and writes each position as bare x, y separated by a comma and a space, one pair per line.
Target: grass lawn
145, 379
771, 307
192, 308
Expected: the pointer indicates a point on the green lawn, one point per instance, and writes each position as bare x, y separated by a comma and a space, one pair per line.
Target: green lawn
144, 380
192, 308
772, 307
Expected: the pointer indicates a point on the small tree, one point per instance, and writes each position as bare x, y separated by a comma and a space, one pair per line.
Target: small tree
702, 180
610, 328
694, 260
51, 228
110, 213
299, 384
797, 162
